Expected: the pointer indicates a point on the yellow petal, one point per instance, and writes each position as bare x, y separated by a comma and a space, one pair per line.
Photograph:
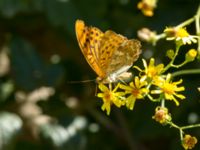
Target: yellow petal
100, 95
103, 88
130, 103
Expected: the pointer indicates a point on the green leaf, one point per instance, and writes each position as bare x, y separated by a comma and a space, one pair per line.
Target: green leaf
63, 138
28, 69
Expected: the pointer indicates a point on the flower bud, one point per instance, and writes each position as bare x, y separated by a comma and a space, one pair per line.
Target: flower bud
161, 115
146, 35
190, 55
170, 53
189, 141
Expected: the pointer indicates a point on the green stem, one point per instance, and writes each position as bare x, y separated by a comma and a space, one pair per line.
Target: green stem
152, 99
179, 128
180, 65
183, 128
163, 102
185, 23
190, 126
172, 60
186, 72
158, 37
174, 125
181, 134
197, 24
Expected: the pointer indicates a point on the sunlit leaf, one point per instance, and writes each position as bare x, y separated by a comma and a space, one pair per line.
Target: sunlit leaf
10, 127
62, 138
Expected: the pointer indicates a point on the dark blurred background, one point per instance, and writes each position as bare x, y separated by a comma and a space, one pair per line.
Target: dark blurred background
39, 58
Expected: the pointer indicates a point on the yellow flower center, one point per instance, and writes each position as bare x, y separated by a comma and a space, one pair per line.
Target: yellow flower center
135, 92
168, 88
182, 33
151, 72
108, 96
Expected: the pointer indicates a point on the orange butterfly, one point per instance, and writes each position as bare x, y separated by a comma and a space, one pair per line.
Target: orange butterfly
109, 54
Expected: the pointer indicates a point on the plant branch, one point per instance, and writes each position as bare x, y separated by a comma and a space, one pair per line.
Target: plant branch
185, 72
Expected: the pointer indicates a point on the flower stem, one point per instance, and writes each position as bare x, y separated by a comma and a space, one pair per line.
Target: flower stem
177, 127
174, 125
185, 23
152, 99
180, 65
190, 126
197, 24
183, 127
158, 37
172, 60
186, 72
181, 134
163, 102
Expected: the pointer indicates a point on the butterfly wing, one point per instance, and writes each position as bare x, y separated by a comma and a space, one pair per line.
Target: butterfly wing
117, 53
89, 43
110, 42
124, 57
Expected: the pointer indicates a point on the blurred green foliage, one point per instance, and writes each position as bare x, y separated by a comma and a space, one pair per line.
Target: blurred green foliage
42, 109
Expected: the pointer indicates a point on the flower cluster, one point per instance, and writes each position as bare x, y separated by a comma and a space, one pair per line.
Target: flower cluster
155, 82
135, 90
149, 82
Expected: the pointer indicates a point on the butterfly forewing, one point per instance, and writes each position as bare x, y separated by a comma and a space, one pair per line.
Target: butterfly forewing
89, 42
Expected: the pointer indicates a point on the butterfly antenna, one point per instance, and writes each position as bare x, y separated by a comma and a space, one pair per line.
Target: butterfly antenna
84, 81
121, 80
96, 88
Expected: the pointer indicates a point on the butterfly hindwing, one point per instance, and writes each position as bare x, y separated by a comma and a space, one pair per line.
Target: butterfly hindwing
109, 44
124, 57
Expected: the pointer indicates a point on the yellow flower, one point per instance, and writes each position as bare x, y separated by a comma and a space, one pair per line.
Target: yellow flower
189, 142
180, 35
147, 7
162, 115
151, 71
110, 97
168, 88
137, 90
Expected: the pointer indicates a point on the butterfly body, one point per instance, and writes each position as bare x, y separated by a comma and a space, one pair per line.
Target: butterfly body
109, 54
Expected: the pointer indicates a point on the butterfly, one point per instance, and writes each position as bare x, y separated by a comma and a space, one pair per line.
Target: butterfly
109, 54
